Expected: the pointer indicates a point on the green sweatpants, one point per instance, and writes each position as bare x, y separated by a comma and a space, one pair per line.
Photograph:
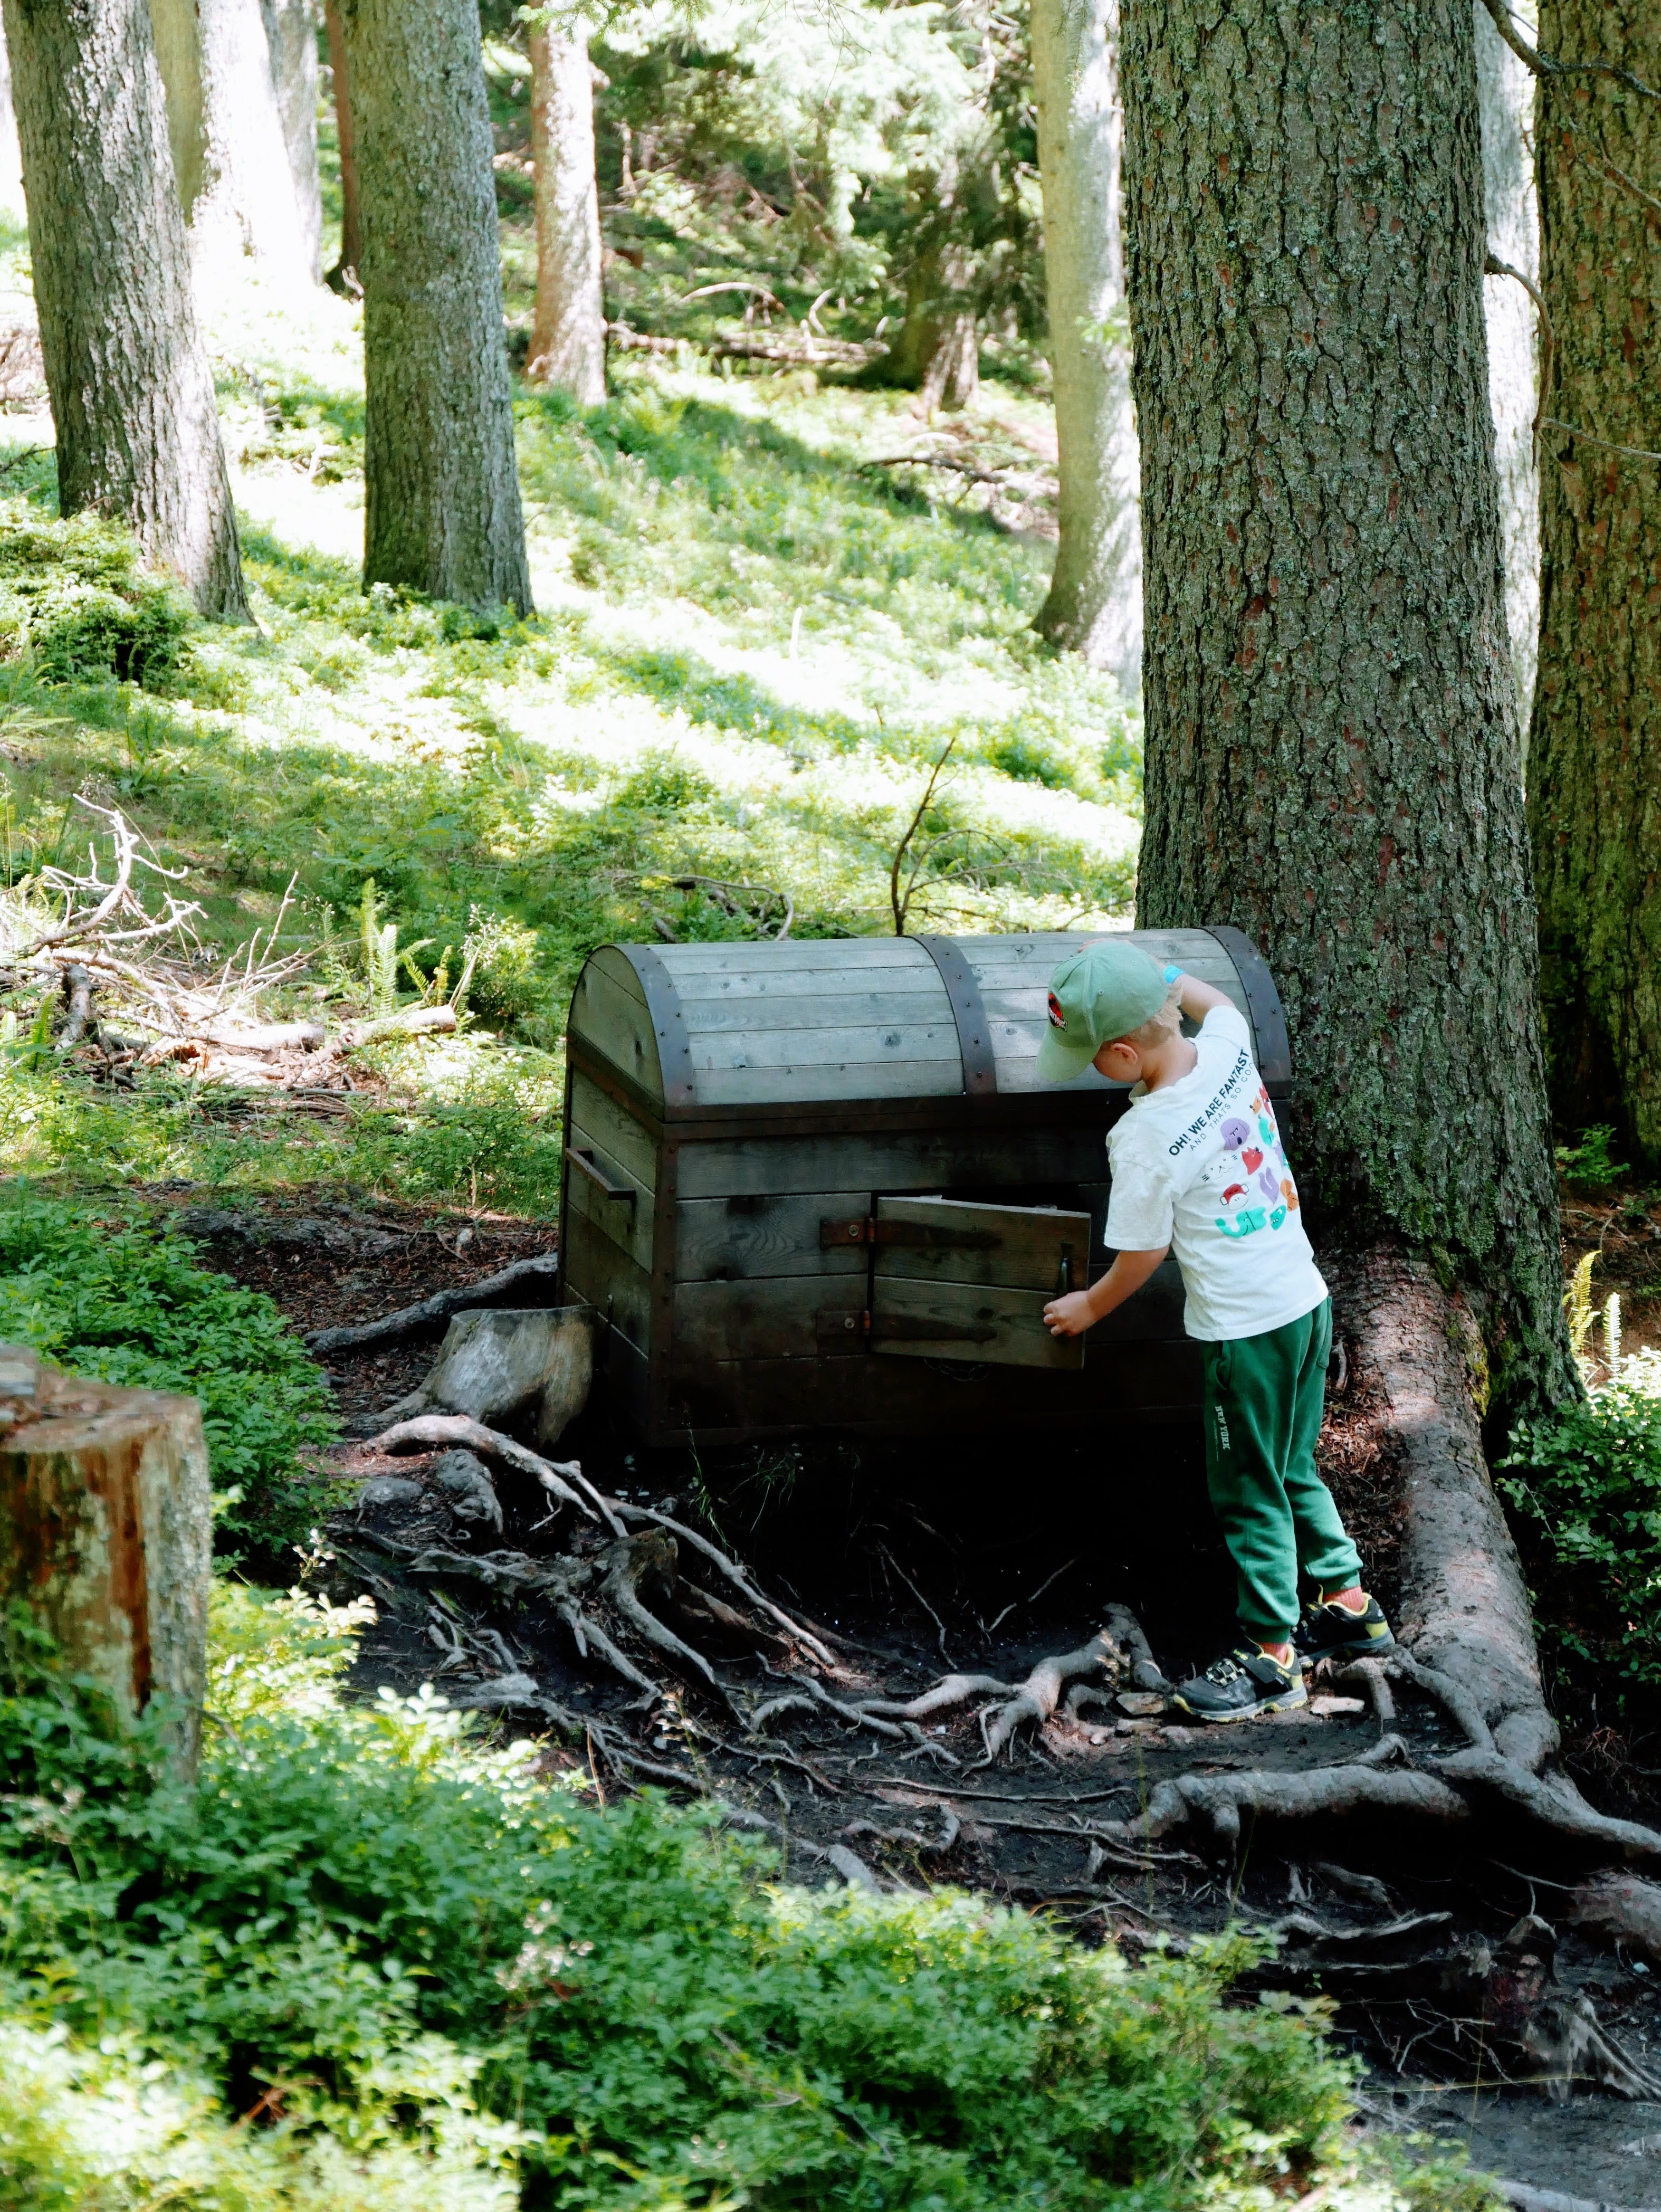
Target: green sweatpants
1263, 1401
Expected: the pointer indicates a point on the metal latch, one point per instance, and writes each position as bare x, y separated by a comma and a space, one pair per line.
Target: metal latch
907, 1235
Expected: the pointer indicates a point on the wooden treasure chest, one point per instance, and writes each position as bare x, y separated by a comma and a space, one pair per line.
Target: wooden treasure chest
817, 1185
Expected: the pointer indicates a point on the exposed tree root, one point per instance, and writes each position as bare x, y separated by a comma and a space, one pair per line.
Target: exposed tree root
428, 1431
1036, 1701
1622, 1909
433, 1313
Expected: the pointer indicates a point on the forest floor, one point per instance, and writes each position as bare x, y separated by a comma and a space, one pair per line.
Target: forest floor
765, 612
916, 1563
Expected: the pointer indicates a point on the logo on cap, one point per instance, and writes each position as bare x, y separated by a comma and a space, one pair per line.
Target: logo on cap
1057, 1019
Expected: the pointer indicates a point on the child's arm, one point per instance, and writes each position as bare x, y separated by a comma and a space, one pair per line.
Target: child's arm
1198, 999
1080, 1309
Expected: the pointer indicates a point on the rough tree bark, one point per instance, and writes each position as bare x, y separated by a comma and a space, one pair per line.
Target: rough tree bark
1095, 601
1595, 762
132, 394
443, 504
291, 35
1332, 745
230, 146
343, 276
105, 1534
567, 338
1506, 96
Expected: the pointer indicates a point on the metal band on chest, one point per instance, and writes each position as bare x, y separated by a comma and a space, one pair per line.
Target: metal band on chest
668, 1025
980, 1068
1269, 1021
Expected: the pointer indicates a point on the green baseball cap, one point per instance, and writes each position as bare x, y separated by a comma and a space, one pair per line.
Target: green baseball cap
1105, 991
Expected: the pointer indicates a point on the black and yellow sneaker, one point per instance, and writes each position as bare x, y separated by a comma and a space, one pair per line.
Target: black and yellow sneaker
1333, 1631
1241, 1684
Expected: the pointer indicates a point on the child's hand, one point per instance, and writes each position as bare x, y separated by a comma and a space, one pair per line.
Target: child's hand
1068, 1317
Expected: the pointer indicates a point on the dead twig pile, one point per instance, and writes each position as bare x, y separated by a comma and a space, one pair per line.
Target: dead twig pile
159, 996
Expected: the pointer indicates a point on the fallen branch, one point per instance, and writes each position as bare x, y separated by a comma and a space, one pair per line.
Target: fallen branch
434, 1312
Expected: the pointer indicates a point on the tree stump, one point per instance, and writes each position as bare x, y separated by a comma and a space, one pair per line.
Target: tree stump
105, 1533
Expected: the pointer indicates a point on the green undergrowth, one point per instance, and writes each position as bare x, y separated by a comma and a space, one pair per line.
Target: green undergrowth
752, 649
489, 1140
123, 1298
431, 1982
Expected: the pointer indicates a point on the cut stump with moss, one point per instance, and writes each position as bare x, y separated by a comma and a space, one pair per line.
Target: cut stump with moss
105, 1534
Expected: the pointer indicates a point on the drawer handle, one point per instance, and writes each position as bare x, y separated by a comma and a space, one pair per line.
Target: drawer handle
625, 1194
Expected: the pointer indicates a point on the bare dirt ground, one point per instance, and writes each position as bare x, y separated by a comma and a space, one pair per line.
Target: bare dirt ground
984, 1555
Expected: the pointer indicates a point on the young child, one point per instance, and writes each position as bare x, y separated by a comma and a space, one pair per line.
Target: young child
1197, 1165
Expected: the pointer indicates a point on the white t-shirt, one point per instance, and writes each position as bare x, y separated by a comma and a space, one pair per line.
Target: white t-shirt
1198, 1164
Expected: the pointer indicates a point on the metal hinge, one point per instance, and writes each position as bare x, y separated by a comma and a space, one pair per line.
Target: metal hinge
907, 1235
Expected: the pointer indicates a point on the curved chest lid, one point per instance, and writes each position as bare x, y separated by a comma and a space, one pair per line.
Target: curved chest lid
818, 1021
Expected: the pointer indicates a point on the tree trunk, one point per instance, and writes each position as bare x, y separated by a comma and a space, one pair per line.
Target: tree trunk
1095, 602
443, 501
1332, 746
230, 151
105, 1534
1505, 90
343, 276
132, 398
11, 155
291, 36
938, 352
567, 343
1595, 763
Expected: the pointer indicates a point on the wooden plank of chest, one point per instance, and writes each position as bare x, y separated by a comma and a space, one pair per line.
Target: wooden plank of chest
777, 1318
912, 1160
615, 1022
628, 1227
728, 1240
873, 1046
830, 1081
616, 1136
1017, 1317
1023, 1250
775, 1013
595, 1269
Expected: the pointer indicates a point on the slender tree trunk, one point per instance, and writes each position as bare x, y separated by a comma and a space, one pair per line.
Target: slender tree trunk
1506, 95
938, 352
1595, 760
343, 276
291, 35
1095, 602
230, 152
132, 394
567, 342
444, 513
1332, 746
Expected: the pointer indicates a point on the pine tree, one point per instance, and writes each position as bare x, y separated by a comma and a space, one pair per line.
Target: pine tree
1595, 749
291, 28
443, 489
1095, 602
568, 340
1332, 738
230, 150
132, 395
343, 276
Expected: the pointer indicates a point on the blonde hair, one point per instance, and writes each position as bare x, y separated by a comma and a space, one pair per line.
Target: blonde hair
1158, 1027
